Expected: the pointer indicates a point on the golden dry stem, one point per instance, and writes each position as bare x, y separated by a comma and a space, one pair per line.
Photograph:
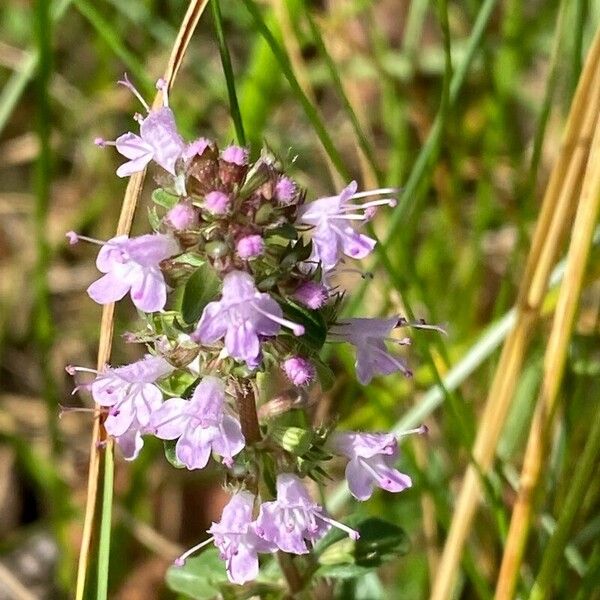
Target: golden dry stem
554, 364
560, 200
130, 201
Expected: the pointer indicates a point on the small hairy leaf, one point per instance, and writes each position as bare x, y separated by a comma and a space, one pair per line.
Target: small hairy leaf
164, 198
200, 577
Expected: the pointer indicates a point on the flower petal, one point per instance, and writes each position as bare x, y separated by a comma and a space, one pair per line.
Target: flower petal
109, 288
170, 420
360, 481
194, 447
149, 290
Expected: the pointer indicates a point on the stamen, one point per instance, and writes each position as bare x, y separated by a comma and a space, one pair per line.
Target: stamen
62, 410
378, 192
420, 324
422, 430
403, 342
351, 532
74, 237
102, 143
71, 370
180, 560
401, 366
126, 83
364, 274
296, 328
385, 201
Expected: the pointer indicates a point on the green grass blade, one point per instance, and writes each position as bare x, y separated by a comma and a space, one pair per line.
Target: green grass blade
105, 524
309, 109
113, 40
228, 72
554, 550
339, 87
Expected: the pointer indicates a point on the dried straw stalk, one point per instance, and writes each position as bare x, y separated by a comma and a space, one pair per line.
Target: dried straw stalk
130, 201
555, 217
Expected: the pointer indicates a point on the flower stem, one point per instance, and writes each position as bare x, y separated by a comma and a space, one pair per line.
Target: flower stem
290, 572
246, 403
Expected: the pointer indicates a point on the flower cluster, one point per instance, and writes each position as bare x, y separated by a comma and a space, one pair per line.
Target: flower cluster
255, 263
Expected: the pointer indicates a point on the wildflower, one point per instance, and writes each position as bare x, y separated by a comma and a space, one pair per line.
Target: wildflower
371, 461
217, 203
131, 265
158, 139
332, 216
201, 424
242, 314
250, 246
285, 190
130, 393
369, 337
182, 216
235, 155
293, 519
311, 294
299, 370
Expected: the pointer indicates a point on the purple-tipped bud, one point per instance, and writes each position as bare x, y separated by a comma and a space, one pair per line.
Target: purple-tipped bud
312, 294
299, 370
250, 246
196, 148
72, 237
235, 155
285, 190
182, 216
216, 203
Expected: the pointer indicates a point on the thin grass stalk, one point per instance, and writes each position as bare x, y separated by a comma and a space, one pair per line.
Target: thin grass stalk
550, 228
371, 172
553, 553
309, 108
291, 43
12, 90
422, 166
234, 106
132, 194
554, 364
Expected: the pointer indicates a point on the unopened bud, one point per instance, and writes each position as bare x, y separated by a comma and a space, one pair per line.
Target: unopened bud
294, 440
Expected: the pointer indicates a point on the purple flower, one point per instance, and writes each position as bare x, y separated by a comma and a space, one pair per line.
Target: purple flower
371, 462
201, 424
217, 203
293, 519
369, 337
235, 537
333, 233
130, 394
132, 265
235, 155
241, 316
299, 370
182, 216
250, 246
285, 190
158, 139
312, 294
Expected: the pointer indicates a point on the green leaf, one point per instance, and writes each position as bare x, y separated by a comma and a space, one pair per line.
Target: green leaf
379, 541
315, 328
201, 288
169, 446
177, 384
189, 258
164, 198
324, 373
341, 571
200, 577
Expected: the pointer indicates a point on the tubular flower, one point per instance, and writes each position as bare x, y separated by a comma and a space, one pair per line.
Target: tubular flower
371, 462
293, 519
158, 139
242, 314
333, 234
369, 337
132, 265
201, 424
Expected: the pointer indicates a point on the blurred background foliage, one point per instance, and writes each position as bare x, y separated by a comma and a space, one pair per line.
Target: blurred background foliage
460, 103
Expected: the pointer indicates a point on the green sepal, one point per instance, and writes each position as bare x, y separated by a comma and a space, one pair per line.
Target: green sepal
164, 198
294, 440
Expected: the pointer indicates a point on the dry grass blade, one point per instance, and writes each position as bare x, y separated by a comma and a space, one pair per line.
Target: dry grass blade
132, 194
554, 363
555, 217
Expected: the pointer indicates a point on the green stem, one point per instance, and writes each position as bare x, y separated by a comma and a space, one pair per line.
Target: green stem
586, 465
234, 106
105, 524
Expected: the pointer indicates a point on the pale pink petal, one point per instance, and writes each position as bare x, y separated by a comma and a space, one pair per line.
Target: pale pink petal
170, 420
108, 288
149, 290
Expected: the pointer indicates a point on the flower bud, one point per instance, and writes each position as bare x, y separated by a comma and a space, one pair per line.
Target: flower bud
217, 249
311, 294
250, 246
217, 203
294, 440
285, 191
299, 370
182, 216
